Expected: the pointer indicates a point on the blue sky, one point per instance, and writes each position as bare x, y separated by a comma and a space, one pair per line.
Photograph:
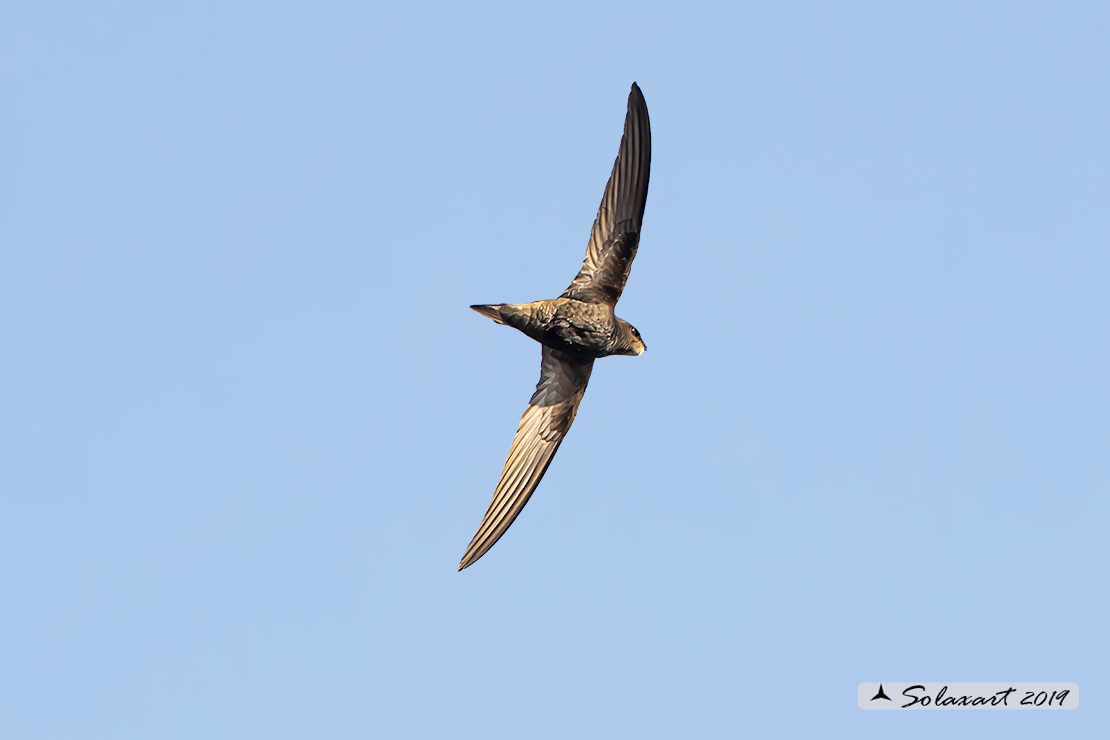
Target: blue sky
248, 424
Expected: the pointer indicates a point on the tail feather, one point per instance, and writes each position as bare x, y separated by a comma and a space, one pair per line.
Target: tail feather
493, 312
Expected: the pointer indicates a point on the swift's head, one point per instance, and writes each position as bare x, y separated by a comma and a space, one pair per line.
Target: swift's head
629, 341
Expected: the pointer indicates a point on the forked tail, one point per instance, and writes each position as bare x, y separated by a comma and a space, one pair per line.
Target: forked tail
493, 312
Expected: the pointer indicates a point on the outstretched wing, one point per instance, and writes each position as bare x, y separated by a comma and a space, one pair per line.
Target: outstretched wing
541, 431
616, 232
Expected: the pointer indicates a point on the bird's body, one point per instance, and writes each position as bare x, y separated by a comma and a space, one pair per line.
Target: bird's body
575, 329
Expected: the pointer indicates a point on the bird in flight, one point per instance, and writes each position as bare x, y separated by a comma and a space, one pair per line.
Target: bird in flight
575, 329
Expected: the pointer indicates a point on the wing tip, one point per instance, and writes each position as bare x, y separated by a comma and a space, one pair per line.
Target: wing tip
469, 559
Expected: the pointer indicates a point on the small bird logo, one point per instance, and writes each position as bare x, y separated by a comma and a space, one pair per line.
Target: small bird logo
575, 329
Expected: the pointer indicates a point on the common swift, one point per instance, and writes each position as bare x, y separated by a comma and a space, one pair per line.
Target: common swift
575, 329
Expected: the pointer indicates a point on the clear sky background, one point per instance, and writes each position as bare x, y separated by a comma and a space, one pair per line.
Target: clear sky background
248, 424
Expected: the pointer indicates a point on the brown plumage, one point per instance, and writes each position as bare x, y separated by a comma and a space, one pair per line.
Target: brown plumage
575, 329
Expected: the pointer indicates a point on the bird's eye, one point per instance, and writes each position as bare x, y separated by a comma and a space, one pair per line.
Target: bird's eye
636, 333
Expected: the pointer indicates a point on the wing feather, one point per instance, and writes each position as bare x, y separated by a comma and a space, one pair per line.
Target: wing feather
545, 423
616, 232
